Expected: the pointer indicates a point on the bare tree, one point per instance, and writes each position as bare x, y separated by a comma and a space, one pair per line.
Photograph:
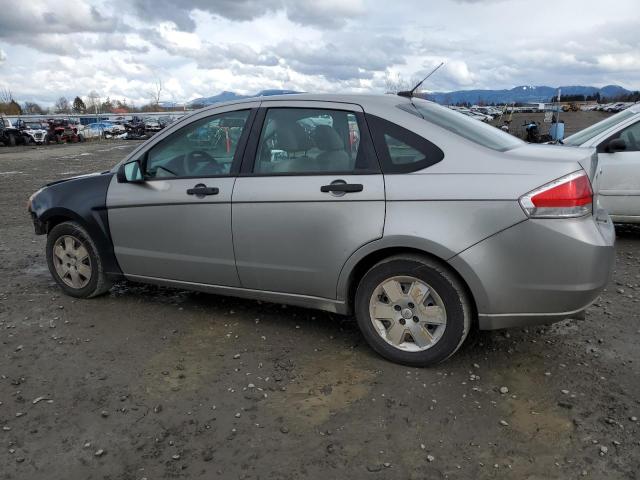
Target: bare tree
396, 83
6, 96
156, 93
62, 105
93, 101
7, 104
33, 108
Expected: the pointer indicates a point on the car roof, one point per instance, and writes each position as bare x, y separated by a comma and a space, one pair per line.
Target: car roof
364, 100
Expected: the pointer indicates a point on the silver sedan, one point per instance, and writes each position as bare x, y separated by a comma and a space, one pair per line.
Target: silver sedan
422, 222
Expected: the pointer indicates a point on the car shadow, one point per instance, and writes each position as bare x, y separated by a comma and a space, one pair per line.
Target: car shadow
628, 231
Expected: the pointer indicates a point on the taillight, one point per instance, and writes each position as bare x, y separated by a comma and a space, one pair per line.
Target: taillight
569, 196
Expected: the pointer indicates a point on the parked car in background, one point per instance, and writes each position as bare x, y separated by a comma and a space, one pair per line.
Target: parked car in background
152, 125
63, 130
617, 140
9, 135
428, 225
135, 128
33, 131
102, 130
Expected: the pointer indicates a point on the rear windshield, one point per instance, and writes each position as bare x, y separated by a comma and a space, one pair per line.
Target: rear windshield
460, 124
588, 133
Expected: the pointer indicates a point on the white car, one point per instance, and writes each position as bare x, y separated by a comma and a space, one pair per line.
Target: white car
617, 139
34, 132
95, 130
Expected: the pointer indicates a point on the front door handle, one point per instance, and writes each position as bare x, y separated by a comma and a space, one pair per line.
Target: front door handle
342, 187
201, 190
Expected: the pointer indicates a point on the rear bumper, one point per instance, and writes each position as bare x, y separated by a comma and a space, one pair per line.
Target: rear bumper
520, 320
538, 271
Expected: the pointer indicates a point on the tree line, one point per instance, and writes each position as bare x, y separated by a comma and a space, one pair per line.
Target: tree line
92, 103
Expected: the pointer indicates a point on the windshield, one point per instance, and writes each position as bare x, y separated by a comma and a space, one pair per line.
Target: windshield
467, 127
33, 126
588, 133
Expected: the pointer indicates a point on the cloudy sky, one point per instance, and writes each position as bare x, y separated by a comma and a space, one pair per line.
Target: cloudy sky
118, 48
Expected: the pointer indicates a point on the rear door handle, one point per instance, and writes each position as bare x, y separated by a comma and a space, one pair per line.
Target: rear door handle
342, 187
201, 190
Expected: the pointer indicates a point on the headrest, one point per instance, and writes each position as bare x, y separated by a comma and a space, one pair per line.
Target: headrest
327, 138
293, 138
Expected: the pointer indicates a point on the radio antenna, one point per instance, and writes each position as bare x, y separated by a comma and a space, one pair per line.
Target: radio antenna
409, 93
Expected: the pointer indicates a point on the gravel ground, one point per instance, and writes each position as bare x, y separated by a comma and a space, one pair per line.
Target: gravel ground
149, 382
573, 121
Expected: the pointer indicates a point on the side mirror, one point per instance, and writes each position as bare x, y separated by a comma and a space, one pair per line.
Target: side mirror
616, 145
130, 172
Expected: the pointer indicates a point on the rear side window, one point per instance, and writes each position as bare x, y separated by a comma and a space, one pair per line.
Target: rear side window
400, 150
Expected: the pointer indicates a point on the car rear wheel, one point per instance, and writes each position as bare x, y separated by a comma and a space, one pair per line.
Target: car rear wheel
413, 310
74, 261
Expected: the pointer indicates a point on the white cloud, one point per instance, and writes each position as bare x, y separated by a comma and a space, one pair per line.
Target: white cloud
200, 47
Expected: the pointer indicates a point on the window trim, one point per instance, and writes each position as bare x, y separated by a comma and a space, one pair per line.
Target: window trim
251, 150
381, 126
237, 156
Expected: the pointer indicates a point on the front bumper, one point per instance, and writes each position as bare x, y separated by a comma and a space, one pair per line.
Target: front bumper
39, 227
539, 271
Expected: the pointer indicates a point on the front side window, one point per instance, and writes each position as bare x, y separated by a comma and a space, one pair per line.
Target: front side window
631, 137
583, 136
201, 149
400, 150
306, 141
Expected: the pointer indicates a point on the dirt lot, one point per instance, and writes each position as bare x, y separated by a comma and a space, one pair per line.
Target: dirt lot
152, 383
573, 121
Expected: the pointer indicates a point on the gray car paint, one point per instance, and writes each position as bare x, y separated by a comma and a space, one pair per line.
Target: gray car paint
296, 245
291, 237
160, 231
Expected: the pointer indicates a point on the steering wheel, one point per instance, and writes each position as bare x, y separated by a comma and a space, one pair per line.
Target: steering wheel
192, 161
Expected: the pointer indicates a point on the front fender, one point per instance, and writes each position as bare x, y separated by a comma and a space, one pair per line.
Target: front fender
83, 200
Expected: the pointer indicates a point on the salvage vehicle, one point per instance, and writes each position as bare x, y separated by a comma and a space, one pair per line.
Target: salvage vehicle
135, 128
102, 130
62, 130
33, 131
152, 125
617, 140
9, 135
431, 224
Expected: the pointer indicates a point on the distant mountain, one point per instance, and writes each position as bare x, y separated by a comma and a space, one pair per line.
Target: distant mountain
522, 93
230, 96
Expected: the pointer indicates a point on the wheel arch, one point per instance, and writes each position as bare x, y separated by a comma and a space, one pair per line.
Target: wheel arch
56, 216
362, 261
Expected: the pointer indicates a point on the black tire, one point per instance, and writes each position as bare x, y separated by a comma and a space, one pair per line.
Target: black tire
448, 287
98, 282
47, 139
12, 140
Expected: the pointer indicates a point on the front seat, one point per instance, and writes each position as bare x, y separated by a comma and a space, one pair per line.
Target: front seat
334, 157
294, 140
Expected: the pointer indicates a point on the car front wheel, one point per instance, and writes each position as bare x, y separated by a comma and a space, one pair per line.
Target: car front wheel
74, 261
412, 310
